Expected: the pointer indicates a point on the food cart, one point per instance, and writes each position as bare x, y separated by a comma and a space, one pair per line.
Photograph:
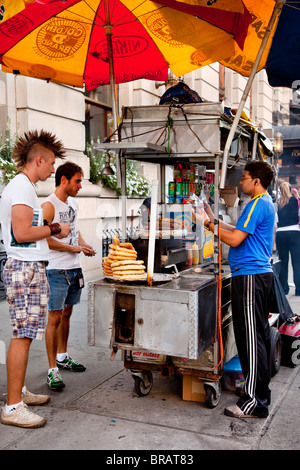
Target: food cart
177, 319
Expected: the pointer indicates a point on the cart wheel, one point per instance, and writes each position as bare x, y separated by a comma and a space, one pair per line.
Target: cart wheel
143, 383
275, 352
212, 396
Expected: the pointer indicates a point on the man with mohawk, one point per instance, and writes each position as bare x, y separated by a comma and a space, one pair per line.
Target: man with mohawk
24, 276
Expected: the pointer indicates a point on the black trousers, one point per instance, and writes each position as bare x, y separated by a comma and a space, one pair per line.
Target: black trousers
288, 242
252, 296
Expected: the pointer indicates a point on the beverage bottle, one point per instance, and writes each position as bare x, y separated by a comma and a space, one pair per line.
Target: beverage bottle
195, 251
178, 172
184, 172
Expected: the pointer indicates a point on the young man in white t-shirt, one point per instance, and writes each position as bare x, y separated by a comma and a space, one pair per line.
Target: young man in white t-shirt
24, 276
64, 271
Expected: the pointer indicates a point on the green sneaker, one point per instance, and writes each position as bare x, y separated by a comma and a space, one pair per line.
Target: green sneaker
69, 364
54, 380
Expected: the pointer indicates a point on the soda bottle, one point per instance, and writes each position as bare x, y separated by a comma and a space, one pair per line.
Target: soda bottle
178, 172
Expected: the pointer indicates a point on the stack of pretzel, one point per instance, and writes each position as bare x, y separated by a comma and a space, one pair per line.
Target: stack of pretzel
121, 262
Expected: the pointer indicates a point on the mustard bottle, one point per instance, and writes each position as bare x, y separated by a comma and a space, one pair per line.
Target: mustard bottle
195, 251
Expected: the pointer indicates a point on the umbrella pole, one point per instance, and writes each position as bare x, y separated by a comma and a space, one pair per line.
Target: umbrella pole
276, 11
108, 32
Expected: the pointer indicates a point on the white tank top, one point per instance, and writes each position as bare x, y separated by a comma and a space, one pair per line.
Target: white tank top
65, 213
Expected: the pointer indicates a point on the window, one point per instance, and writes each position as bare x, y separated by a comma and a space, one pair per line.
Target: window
97, 113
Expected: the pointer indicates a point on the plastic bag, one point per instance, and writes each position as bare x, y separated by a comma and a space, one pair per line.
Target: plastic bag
180, 94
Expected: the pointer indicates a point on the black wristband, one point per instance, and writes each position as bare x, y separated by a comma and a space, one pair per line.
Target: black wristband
55, 229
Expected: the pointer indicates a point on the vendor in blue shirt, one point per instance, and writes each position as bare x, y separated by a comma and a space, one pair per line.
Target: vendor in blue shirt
251, 243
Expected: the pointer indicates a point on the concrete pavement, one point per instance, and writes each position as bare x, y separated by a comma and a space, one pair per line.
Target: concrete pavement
99, 409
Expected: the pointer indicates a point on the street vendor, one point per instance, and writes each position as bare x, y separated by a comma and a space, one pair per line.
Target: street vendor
249, 257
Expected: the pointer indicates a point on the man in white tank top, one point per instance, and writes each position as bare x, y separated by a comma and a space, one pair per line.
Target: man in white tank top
64, 271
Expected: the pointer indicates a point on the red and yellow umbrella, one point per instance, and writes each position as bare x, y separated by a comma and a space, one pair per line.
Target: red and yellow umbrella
67, 41
96, 42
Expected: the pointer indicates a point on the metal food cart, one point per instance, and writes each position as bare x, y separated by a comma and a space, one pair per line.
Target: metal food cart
181, 323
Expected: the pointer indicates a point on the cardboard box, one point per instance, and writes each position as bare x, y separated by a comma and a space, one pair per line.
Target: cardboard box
192, 389
229, 194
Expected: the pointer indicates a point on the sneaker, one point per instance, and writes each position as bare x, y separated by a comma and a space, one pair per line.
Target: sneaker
33, 399
235, 412
22, 417
54, 380
69, 364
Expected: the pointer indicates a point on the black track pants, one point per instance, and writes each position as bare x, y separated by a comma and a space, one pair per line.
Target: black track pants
251, 300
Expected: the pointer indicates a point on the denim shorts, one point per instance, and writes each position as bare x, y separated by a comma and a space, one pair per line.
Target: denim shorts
63, 288
27, 293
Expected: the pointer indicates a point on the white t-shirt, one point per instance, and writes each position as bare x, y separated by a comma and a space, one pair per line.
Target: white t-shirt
21, 191
65, 213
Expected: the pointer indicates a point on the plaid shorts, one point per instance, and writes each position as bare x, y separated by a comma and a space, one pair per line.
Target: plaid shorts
27, 293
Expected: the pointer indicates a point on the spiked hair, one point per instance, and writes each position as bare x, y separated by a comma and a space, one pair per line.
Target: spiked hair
27, 147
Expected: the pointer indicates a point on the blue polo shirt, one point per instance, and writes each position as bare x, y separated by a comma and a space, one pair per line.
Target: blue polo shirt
253, 255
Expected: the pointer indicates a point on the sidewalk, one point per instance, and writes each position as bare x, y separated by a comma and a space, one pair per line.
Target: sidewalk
99, 409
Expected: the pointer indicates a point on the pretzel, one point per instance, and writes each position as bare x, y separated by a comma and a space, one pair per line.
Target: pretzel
129, 267
131, 277
124, 262
128, 273
121, 255
127, 245
116, 240
124, 258
119, 248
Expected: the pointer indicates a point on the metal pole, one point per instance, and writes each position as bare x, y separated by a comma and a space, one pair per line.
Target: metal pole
277, 9
122, 161
108, 32
254, 146
216, 216
152, 232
